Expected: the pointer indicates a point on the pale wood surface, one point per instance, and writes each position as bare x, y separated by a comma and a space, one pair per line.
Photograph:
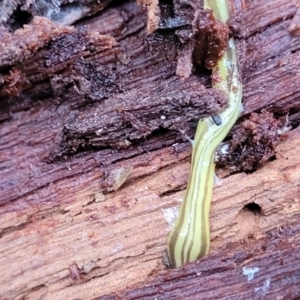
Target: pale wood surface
119, 242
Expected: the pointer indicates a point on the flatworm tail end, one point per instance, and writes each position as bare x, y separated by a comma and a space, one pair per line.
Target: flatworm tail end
190, 238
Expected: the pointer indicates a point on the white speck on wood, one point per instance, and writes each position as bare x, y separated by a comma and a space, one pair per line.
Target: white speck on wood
249, 272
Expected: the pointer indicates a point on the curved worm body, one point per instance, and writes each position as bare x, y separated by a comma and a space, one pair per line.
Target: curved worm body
189, 240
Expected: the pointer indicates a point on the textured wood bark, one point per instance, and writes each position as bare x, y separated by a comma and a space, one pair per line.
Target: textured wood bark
255, 252
64, 232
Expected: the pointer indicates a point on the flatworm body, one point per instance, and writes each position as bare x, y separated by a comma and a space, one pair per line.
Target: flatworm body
189, 240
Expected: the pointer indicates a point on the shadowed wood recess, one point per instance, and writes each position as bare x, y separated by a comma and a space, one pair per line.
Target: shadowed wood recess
96, 103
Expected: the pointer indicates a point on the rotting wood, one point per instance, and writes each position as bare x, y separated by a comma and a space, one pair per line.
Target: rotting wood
122, 120
110, 254
242, 273
64, 235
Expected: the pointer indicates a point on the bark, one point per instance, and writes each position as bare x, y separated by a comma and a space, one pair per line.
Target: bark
67, 230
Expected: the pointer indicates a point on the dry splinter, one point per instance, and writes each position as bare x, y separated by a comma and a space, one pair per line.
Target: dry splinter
189, 240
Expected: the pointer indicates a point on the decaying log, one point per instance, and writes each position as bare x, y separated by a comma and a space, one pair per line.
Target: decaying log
67, 230
130, 117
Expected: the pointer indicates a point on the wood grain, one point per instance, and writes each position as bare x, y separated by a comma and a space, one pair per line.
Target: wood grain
63, 235
119, 242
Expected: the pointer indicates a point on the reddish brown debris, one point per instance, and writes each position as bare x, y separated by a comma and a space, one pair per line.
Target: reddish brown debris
14, 82
25, 42
252, 144
211, 39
